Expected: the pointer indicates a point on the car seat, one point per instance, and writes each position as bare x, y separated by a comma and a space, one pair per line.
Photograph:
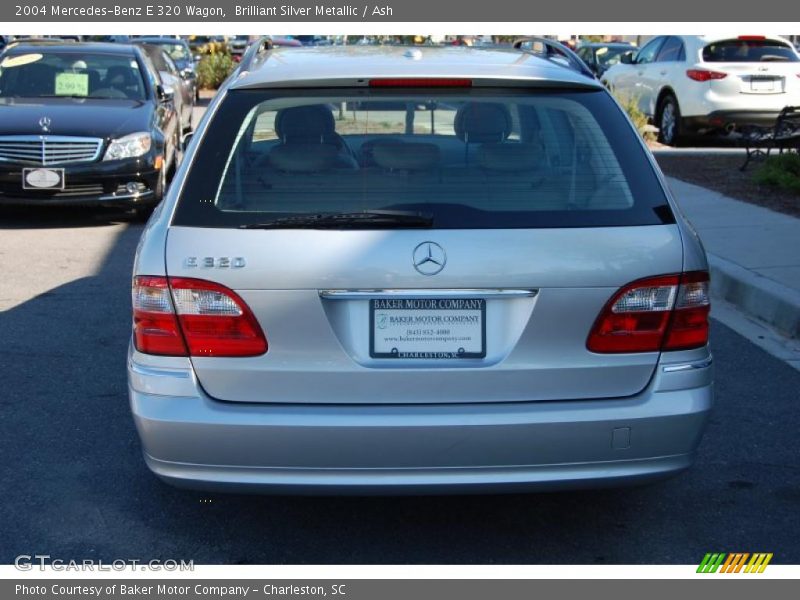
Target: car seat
309, 130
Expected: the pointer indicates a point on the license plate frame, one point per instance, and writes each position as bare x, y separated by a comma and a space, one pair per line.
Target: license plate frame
764, 84
57, 185
439, 306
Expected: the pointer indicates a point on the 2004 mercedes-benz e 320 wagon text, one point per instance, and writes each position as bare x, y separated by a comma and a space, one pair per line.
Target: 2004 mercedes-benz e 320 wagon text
412, 270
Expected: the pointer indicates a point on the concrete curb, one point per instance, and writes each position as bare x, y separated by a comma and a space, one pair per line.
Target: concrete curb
764, 299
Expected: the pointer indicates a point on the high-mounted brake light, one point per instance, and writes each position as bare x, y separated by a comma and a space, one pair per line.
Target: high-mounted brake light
704, 74
751, 38
420, 82
179, 316
669, 312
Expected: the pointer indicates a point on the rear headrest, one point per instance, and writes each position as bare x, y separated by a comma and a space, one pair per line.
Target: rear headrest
509, 157
304, 158
482, 122
305, 122
120, 75
411, 157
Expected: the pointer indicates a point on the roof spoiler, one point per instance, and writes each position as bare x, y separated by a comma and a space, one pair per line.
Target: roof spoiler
553, 51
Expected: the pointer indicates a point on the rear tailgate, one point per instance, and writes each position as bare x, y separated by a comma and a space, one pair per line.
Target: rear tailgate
764, 69
778, 81
319, 342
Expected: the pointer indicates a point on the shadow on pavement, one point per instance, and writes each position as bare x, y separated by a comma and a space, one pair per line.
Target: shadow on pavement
51, 217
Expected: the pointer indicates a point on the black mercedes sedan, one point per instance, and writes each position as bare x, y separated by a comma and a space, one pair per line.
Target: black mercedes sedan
84, 123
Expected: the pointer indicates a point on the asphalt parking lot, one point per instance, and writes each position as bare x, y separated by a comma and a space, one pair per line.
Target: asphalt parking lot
75, 486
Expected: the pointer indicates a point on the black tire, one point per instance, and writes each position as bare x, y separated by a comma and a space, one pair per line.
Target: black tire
141, 213
670, 129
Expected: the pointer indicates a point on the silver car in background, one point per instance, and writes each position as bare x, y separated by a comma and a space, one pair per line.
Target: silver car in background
418, 270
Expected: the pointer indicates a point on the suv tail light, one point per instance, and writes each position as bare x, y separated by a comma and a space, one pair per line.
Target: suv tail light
705, 74
669, 312
178, 316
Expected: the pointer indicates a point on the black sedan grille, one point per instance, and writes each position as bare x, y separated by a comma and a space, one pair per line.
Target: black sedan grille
48, 149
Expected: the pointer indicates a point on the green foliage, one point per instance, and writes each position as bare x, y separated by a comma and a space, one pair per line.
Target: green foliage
781, 170
631, 106
213, 69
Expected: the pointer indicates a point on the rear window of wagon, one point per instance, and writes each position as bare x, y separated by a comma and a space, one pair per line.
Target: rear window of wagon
473, 158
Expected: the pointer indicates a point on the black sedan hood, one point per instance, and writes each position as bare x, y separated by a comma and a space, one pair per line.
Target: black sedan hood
79, 117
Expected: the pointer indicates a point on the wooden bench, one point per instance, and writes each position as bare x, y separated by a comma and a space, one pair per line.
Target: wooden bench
784, 135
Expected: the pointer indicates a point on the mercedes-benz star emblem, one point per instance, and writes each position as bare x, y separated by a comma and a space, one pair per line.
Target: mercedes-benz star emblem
44, 123
429, 258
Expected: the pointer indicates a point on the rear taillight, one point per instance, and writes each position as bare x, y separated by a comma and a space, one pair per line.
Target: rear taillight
155, 326
659, 313
705, 74
191, 317
689, 325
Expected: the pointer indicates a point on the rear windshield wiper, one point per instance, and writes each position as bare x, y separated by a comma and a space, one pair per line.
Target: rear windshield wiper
347, 220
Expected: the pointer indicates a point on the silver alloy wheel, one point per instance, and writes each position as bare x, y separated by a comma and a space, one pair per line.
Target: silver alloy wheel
668, 121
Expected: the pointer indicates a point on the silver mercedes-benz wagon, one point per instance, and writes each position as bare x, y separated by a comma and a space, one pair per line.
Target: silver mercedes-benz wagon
413, 270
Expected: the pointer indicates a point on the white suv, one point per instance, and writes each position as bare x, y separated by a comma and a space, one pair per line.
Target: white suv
690, 84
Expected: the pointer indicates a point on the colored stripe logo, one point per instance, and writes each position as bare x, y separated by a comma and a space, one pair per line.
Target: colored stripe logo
734, 562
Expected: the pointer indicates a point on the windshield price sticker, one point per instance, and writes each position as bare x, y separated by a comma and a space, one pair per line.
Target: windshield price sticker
72, 84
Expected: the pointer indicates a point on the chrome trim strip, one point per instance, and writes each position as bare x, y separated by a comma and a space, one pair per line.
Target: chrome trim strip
426, 293
126, 196
155, 372
700, 364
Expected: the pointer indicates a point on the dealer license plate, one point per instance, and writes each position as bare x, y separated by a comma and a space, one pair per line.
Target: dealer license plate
428, 328
42, 179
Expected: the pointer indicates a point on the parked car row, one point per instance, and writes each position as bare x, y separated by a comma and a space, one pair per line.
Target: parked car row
100, 120
695, 84
91, 122
600, 56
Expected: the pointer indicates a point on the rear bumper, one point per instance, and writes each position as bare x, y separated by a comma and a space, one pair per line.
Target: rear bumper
723, 119
460, 480
193, 441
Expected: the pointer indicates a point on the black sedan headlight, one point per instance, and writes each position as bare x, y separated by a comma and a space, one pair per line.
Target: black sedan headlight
129, 146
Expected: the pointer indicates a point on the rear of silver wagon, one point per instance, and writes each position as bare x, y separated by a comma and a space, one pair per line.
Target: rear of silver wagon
419, 286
